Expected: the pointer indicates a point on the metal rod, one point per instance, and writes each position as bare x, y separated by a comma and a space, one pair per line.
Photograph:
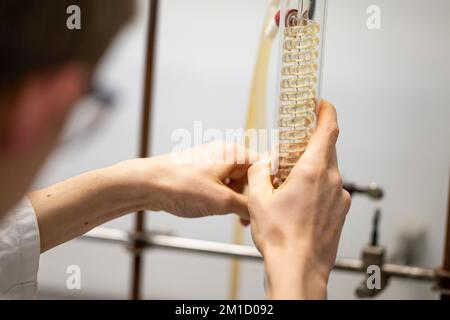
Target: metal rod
145, 139
444, 284
152, 240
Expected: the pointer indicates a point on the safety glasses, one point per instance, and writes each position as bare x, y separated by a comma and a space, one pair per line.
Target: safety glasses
88, 114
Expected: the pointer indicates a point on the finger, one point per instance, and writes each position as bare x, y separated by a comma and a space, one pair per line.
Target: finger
238, 172
322, 143
235, 162
347, 200
259, 180
244, 155
237, 185
239, 205
245, 223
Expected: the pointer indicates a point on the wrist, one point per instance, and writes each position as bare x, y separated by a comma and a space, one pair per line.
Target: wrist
294, 274
128, 190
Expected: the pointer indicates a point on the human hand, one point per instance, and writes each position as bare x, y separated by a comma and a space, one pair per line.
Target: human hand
210, 184
297, 226
203, 181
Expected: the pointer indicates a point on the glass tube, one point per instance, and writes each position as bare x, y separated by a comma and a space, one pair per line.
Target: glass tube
301, 28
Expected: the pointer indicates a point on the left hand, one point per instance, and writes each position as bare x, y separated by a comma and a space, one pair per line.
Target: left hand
203, 181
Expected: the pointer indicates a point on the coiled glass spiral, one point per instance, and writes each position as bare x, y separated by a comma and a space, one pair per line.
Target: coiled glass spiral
297, 104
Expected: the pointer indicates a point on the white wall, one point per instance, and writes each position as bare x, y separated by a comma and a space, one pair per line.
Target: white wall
391, 91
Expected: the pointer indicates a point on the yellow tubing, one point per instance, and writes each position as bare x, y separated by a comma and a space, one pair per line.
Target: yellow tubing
256, 118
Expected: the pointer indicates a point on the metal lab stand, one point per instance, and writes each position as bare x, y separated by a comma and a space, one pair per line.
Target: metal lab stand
139, 239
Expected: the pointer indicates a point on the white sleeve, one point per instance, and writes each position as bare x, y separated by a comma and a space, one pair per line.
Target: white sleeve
19, 252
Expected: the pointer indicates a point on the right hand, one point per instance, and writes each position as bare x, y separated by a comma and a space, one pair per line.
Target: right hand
297, 226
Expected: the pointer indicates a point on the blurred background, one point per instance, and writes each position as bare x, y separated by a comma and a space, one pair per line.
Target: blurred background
390, 87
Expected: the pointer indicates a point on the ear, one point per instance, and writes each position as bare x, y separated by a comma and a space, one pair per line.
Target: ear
43, 101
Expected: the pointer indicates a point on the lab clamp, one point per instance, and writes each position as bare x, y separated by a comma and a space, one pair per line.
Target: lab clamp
373, 254
300, 73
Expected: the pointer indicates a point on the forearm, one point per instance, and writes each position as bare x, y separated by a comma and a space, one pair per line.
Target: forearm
293, 276
70, 208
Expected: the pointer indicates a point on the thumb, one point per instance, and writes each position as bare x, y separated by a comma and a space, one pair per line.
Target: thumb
259, 181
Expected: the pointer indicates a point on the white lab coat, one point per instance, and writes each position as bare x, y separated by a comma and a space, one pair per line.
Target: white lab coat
19, 252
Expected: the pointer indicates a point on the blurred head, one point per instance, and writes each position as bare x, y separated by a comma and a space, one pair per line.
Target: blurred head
44, 69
